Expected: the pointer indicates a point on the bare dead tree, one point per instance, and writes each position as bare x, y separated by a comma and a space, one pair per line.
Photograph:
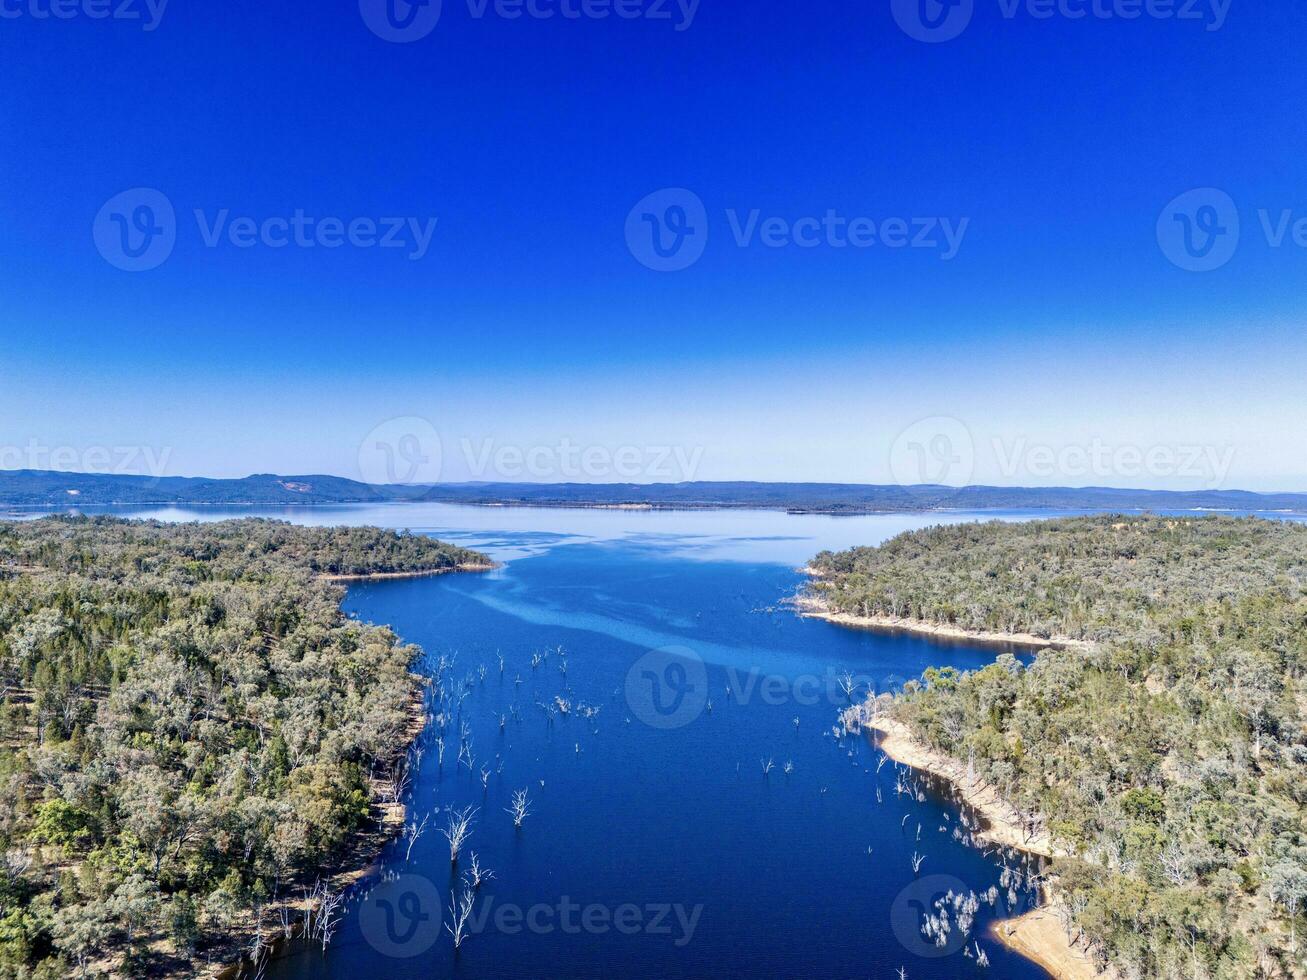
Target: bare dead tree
457, 831
397, 781
1173, 863
477, 875
413, 830
460, 910
256, 958
324, 910
15, 864
520, 809
284, 918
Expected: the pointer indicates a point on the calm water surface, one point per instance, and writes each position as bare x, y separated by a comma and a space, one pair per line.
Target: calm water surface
654, 814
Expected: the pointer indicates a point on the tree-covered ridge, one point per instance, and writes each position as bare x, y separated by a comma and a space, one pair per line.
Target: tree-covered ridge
190, 728
248, 548
1169, 759
56, 488
1092, 578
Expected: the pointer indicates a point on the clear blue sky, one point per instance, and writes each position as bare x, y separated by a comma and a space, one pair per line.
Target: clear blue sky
1059, 322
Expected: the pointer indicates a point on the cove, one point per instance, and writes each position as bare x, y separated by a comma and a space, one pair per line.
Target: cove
783, 875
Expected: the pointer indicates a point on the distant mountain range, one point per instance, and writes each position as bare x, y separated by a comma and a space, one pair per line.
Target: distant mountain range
854, 498
59, 490
50, 488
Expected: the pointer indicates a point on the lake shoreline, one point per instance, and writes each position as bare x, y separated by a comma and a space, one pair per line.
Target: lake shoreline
1036, 935
1003, 825
23, 510
359, 858
415, 573
814, 607
1040, 938
386, 819
20, 510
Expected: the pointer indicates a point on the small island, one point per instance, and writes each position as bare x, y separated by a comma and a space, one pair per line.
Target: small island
1158, 758
196, 744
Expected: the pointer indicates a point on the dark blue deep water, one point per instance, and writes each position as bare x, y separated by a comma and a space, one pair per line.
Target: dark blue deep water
660, 822
656, 847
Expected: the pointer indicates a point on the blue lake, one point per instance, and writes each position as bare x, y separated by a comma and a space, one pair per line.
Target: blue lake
656, 846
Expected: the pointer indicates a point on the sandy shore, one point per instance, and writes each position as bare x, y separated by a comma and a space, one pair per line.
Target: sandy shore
1038, 935
422, 573
1003, 823
815, 607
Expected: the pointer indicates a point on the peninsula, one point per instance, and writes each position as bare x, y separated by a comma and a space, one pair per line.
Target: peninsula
1159, 761
193, 736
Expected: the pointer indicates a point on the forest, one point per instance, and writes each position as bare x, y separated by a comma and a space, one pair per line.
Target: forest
191, 729
1166, 759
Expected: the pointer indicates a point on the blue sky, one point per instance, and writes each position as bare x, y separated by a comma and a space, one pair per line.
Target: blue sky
1059, 322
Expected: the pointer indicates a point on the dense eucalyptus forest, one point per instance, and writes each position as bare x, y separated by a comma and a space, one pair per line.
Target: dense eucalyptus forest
191, 731
1166, 758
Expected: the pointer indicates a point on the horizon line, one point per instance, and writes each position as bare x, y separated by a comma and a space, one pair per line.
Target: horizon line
9, 473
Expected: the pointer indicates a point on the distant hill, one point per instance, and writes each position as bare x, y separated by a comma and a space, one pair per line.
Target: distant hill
47, 488
52, 489
854, 498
